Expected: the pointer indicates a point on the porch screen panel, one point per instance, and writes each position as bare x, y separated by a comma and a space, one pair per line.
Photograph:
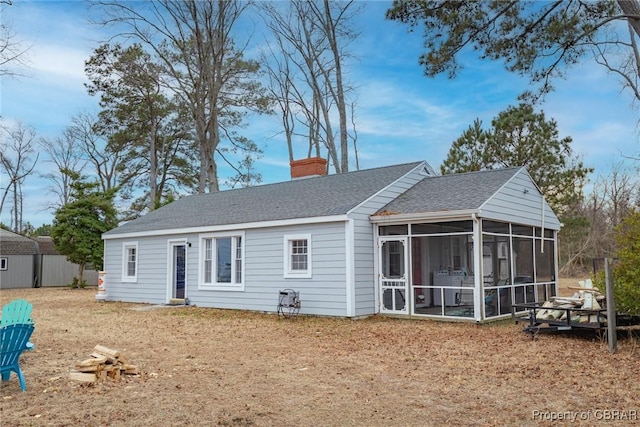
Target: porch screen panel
394, 230
523, 269
523, 261
545, 267
394, 254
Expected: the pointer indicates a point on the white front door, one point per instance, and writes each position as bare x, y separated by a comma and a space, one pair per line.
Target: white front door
393, 256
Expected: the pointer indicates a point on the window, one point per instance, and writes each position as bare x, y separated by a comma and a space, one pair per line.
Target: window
130, 262
222, 261
297, 250
4, 263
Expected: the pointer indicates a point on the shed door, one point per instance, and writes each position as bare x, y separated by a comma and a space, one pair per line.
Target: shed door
393, 253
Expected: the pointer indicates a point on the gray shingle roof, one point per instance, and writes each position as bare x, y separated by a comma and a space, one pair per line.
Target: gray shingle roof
45, 243
15, 244
465, 191
302, 198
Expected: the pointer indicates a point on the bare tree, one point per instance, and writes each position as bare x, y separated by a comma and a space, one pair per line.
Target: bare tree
621, 190
333, 20
17, 149
12, 50
205, 67
305, 70
609, 202
65, 154
105, 161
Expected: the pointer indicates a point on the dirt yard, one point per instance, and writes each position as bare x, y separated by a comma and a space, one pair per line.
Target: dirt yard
214, 367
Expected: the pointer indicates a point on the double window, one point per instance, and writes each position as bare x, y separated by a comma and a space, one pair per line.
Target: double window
297, 250
130, 262
222, 261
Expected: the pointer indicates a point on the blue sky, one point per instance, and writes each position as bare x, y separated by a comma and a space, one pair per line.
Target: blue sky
401, 116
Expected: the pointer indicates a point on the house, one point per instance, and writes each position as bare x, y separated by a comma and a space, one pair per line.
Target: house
35, 262
397, 240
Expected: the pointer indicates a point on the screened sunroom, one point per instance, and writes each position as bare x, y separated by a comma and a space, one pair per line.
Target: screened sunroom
469, 263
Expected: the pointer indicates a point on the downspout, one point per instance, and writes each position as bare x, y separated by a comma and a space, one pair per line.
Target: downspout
555, 261
542, 232
376, 270
477, 259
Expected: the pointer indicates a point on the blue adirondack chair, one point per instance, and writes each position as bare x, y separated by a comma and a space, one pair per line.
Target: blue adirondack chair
17, 312
13, 341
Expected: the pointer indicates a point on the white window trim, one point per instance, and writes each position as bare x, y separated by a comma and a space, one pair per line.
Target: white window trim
4, 263
125, 260
296, 274
216, 286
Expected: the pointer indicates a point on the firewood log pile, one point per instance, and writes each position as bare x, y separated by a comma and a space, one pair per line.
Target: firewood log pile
102, 365
586, 297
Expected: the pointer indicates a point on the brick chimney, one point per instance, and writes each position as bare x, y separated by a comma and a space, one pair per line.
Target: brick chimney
305, 168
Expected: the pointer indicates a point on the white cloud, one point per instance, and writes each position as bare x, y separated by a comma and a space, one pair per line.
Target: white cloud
57, 62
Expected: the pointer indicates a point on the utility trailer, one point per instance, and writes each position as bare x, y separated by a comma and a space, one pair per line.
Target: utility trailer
570, 319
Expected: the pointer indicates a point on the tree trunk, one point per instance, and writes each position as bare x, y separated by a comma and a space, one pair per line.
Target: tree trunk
80, 274
631, 8
330, 30
153, 165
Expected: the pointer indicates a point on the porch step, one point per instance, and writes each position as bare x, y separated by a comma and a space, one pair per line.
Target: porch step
177, 301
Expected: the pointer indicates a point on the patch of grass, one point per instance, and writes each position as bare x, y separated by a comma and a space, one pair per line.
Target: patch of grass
76, 284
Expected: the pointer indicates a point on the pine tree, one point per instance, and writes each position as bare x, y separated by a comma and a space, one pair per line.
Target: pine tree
78, 225
521, 137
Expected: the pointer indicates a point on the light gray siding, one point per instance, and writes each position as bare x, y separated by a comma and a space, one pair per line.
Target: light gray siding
519, 201
20, 272
364, 246
324, 293
151, 283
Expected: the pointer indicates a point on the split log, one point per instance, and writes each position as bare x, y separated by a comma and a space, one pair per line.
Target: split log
130, 369
82, 377
94, 361
111, 355
575, 301
94, 368
543, 312
578, 288
106, 351
104, 363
